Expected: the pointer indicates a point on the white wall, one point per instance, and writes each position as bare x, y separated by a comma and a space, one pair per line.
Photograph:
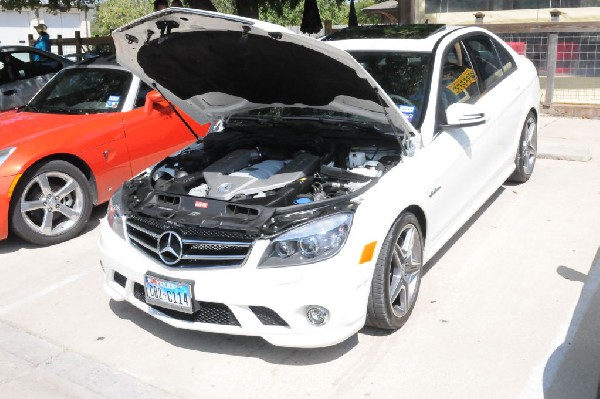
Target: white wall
15, 26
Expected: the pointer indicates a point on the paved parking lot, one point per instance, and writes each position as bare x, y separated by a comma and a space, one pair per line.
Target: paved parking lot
510, 308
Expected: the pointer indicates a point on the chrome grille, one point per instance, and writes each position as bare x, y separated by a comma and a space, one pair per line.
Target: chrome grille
207, 249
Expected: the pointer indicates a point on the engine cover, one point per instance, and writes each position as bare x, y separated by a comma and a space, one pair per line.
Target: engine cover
249, 178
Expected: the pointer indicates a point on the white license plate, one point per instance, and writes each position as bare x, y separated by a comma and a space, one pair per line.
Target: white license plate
170, 294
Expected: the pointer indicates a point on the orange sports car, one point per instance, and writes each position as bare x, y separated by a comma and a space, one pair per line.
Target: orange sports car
93, 126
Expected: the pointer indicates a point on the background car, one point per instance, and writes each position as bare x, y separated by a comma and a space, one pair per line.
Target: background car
23, 72
341, 167
75, 143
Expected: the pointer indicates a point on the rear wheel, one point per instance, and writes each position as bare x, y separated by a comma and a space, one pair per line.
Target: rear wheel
527, 150
53, 204
397, 275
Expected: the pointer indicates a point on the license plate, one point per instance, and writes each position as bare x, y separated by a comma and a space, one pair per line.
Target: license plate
170, 294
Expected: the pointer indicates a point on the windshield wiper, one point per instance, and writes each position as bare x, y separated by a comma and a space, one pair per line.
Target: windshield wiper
28, 108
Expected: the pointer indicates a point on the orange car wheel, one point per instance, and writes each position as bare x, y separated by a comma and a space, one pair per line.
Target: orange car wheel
53, 204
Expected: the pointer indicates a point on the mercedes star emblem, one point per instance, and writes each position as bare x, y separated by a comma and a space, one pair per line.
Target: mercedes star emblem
170, 247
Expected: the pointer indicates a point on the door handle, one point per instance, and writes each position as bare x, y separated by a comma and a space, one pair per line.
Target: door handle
9, 92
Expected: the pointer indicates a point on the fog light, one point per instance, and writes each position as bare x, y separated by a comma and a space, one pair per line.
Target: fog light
317, 315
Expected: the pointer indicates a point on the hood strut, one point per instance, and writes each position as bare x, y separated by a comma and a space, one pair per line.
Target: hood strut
403, 139
176, 112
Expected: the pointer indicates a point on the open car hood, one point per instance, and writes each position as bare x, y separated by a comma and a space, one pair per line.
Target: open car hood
214, 65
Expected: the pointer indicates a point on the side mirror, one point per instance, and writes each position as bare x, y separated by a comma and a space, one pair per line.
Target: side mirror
152, 97
464, 115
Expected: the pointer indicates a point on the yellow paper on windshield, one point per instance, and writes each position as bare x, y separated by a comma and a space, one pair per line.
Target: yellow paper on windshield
466, 79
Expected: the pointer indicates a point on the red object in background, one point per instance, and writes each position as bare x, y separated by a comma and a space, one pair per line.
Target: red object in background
567, 51
519, 47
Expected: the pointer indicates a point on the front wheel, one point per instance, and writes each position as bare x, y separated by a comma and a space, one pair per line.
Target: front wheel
397, 275
527, 151
53, 204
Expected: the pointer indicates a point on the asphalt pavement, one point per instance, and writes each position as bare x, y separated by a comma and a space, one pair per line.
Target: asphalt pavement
510, 308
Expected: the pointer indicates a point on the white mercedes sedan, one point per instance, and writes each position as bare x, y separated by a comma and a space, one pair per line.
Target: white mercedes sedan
333, 170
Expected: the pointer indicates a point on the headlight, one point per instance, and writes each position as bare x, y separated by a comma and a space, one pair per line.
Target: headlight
313, 242
114, 214
5, 153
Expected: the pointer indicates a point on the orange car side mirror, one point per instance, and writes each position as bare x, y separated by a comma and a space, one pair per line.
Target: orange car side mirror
152, 97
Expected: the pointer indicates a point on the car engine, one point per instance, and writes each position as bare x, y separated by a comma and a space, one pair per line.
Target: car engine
254, 176
239, 179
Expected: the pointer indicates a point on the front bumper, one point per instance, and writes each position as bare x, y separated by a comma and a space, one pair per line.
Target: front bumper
338, 284
5, 184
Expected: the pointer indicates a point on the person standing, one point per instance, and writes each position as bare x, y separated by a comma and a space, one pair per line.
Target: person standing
43, 41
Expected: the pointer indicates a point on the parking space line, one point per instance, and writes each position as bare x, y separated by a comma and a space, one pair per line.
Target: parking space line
45, 291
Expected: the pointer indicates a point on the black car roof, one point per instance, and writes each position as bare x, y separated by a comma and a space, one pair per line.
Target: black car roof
108, 60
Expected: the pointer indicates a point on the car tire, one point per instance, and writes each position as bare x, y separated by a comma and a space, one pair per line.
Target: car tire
526, 151
52, 204
397, 275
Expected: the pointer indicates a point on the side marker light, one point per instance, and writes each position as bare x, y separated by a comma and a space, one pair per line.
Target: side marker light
367, 253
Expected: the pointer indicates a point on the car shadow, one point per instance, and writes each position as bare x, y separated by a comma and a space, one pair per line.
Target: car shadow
429, 265
232, 345
573, 369
14, 243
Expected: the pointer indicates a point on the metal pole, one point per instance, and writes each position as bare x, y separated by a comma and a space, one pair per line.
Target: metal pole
551, 60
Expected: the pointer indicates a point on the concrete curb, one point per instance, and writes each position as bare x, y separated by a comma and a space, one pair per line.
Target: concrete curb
31, 366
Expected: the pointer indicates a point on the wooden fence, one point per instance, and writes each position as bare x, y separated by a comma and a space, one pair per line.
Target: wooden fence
81, 44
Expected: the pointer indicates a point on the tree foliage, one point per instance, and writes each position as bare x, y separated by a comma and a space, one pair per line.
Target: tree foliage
112, 14
292, 16
52, 5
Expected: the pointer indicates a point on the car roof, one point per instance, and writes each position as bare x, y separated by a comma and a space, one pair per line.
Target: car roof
17, 48
11, 47
409, 37
403, 31
107, 61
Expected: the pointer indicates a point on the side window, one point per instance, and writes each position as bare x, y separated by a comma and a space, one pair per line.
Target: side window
140, 98
506, 60
459, 82
486, 60
30, 64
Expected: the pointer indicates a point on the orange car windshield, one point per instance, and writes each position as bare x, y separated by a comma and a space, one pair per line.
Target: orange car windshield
83, 91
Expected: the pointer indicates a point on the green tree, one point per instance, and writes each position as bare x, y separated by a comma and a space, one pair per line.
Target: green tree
52, 5
112, 14
292, 16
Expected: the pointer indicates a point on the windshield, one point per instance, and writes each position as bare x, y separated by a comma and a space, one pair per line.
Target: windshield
84, 91
402, 75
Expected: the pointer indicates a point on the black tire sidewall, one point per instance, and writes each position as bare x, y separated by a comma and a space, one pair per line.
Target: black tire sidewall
380, 313
519, 175
22, 229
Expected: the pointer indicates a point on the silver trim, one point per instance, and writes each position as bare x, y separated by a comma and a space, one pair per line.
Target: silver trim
154, 248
